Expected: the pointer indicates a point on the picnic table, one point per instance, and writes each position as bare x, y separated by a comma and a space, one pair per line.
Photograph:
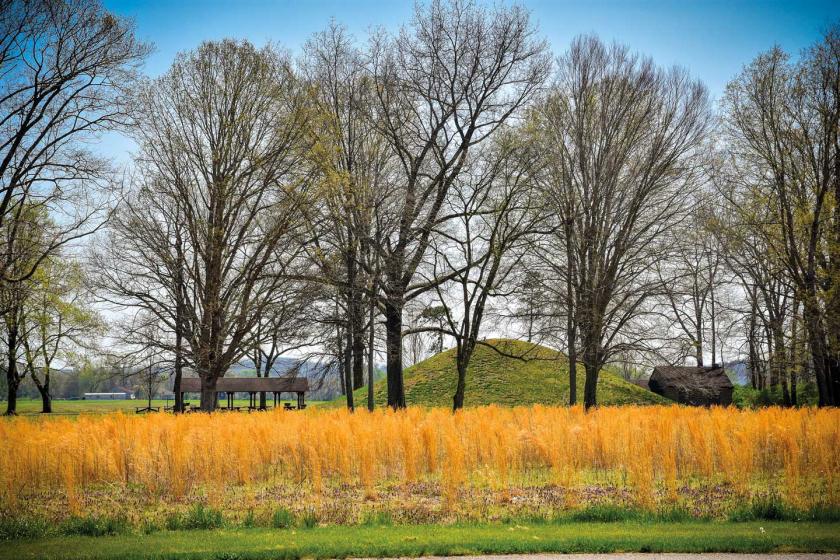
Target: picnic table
142, 409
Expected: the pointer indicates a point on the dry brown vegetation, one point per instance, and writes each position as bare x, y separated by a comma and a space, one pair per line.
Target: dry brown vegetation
487, 460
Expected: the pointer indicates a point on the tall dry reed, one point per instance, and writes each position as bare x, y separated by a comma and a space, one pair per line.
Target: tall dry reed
646, 448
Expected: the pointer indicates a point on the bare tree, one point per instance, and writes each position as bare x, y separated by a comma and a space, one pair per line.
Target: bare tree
770, 293
620, 140
442, 86
352, 159
141, 264
64, 69
224, 133
783, 142
691, 277
481, 250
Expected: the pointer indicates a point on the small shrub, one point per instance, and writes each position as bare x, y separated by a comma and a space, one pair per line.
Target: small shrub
823, 513
148, 526
309, 520
378, 518
534, 518
769, 508
249, 522
673, 514
606, 513
12, 528
198, 517
95, 526
283, 519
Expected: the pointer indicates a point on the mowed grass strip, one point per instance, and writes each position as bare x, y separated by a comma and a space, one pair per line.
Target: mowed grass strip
420, 540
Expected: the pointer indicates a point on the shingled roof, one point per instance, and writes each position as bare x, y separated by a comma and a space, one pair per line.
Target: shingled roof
250, 385
692, 384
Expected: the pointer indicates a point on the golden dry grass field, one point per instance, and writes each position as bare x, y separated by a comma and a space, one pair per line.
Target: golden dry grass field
419, 465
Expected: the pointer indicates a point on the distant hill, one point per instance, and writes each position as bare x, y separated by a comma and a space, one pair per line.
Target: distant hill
494, 377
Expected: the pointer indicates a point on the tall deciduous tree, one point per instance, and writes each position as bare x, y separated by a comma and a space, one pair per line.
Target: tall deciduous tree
25, 238
59, 320
141, 264
442, 86
783, 141
481, 250
65, 66
620, 140
224, 134
353, 161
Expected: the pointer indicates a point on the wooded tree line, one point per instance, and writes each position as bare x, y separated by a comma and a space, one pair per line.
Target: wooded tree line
367, 197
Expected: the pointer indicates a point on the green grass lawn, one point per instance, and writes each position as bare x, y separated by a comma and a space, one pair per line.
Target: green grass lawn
33, 406
541, 376
420, 540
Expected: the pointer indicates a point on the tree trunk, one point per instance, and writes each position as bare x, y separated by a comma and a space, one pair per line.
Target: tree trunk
571, 334
11, 402
12, 379
179, 319
46, 401
393, 348
460, 387
358, 352
571, 326
179, 370
44, 390
348, 369
819, 356
462, 361
714, 323
371, 340
591, 384
834, 377
592, 362
698, 335
339, 353
751, 342
208, 393
772, 368
780, 358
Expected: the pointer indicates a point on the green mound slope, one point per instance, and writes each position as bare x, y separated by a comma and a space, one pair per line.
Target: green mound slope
541, 376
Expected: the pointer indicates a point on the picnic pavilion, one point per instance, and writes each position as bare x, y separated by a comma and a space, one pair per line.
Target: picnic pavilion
253, 386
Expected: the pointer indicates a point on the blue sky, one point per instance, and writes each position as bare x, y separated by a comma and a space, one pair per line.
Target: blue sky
713, 38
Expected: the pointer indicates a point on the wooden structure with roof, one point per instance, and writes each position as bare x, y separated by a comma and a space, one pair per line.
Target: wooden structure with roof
693, 385
253, 386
